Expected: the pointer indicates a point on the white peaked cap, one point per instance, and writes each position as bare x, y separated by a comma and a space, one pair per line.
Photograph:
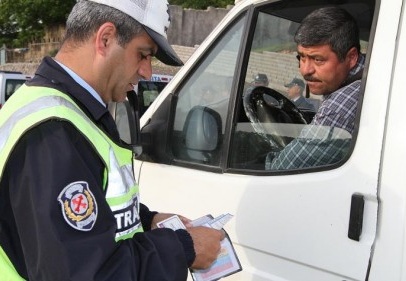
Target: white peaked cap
154, 16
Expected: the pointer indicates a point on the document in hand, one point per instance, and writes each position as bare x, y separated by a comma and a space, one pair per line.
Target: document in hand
227, 262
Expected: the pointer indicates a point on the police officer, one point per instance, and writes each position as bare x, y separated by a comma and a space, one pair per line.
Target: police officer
69, 204
295, 94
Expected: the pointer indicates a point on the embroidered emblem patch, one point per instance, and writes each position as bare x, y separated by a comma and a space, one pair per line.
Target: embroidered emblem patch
79, 207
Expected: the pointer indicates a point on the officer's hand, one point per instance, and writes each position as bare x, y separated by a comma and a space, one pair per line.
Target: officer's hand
206, 242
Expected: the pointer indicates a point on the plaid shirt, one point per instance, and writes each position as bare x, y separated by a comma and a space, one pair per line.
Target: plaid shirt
326, 139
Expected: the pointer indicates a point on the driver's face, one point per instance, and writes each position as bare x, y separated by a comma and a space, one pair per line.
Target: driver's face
321, 68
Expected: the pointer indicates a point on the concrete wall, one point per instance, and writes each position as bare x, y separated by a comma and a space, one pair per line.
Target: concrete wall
35, 51
190, 27
29, 67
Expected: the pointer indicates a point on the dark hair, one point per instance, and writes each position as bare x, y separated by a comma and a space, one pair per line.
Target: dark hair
86, 17
332, 26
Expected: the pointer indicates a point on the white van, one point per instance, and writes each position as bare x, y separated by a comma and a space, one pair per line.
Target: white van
201, 154
10, 81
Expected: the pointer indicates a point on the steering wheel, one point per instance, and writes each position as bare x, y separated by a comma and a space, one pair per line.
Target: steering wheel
266, 105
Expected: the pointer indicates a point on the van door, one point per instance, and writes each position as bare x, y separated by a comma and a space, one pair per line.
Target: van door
388, 261
213, 131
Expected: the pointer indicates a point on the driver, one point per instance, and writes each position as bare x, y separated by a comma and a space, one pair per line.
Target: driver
330, 61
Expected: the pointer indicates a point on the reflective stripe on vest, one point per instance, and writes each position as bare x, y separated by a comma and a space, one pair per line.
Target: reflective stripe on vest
34, 105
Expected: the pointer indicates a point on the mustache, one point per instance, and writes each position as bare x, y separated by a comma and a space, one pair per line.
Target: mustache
310, 78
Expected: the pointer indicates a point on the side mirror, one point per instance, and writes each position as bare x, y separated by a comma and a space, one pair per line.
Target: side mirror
201, 133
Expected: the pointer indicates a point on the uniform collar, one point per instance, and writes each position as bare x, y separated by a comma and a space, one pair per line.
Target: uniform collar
82, 83
51, 74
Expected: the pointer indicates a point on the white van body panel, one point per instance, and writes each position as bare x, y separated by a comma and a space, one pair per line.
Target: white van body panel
295, 226
388, 262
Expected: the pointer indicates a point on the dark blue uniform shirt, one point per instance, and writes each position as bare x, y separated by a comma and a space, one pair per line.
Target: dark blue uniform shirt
33, 233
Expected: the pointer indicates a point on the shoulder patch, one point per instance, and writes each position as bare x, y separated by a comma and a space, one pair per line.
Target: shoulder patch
79, 207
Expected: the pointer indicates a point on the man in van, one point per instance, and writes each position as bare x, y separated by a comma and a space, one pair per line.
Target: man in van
330, 61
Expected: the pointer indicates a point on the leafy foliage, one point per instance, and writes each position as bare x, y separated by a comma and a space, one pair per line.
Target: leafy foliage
21, 21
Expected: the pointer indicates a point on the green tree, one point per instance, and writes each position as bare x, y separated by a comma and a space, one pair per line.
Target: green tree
201, 4
21, 21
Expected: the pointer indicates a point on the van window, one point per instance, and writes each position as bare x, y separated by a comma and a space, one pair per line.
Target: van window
12, 85
233, 111
270, 134
147, 92
209, 89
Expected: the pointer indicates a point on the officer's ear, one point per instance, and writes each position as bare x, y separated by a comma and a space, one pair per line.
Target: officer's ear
105, 37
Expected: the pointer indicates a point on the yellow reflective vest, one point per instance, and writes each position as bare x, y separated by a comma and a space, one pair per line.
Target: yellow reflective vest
38, 104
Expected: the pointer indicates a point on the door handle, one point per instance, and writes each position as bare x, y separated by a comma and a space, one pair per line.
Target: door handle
356, 217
